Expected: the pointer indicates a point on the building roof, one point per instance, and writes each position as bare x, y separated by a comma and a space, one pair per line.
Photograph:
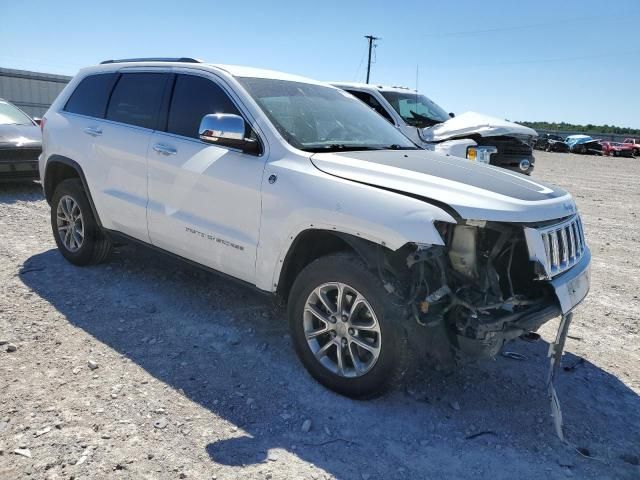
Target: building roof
26, 74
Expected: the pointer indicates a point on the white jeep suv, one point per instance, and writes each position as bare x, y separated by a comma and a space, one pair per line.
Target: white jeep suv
297, 188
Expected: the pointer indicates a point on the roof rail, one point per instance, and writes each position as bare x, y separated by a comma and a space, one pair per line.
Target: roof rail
153, 59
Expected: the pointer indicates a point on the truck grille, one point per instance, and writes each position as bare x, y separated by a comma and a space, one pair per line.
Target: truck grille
564, 245
507, 145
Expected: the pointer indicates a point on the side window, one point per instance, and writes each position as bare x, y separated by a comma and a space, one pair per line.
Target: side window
373, 103
193, 98
91, 95
136, 99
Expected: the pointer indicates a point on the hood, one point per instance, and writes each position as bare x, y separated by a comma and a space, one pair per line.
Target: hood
20, 135
472, 123
476, 191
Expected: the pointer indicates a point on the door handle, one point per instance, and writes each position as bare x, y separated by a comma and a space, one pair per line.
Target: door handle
93, 131
164, 149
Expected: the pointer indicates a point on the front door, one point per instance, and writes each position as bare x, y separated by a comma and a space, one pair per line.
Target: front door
204, 200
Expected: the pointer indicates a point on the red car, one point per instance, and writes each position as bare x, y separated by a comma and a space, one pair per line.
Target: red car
617, 149
635, 144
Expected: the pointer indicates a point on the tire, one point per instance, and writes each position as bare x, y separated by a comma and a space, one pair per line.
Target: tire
374, 376
85, 244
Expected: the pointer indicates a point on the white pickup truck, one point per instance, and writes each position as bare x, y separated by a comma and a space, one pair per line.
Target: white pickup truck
298, 189
470, 135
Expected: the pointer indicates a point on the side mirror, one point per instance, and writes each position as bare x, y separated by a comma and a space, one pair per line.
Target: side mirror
38, 120
226, 130
452, 115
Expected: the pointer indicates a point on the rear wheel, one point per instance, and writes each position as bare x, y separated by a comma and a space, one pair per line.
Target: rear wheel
346, 327
75, 230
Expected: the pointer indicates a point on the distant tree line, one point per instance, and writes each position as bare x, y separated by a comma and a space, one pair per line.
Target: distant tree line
589, 128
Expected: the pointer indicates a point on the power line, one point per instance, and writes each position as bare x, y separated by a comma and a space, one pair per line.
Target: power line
357, 75
469, 33
463, 64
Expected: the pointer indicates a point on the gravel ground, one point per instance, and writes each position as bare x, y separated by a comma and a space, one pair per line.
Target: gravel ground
144, 367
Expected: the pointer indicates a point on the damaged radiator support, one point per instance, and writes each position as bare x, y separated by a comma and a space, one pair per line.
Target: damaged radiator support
555, 357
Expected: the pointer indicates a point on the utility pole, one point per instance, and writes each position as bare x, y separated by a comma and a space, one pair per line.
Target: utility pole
371, 39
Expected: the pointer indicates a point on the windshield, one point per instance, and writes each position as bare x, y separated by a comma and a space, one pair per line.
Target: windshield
416, 110
316, 118
10, 115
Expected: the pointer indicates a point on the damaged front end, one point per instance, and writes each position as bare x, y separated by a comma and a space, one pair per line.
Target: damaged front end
492, 282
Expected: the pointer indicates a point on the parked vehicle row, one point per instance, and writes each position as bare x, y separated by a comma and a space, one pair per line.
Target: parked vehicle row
295, 187
585, 144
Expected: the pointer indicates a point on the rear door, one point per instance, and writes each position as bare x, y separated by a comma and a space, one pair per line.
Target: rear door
204, 200
79, 128
120, 148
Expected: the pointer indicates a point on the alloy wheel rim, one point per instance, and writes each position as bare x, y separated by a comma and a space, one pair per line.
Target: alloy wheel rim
70, 223
342, 330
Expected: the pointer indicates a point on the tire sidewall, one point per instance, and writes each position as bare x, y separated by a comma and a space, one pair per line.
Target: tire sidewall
352, 272
73, 188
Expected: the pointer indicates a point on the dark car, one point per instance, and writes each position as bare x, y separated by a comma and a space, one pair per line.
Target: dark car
551, 143
20, 144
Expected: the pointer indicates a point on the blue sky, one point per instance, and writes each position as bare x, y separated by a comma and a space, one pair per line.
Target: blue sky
571, 60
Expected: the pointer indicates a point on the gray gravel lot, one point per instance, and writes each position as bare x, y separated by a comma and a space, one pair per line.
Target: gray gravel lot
144, 367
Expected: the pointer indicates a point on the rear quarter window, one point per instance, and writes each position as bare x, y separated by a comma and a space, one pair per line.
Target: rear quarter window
91, 95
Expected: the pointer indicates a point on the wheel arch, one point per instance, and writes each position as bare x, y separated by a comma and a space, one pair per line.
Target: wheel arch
59, 168
313, 243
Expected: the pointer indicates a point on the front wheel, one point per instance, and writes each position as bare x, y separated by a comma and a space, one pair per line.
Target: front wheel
77, 233
346, 327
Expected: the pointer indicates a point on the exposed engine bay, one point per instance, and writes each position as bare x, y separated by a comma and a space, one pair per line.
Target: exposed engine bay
479, 290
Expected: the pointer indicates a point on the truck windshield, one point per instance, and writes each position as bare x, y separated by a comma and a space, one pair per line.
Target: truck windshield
415, 109
10, 115
316, 118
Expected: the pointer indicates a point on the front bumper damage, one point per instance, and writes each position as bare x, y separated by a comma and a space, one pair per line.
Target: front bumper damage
556, 348
505, 282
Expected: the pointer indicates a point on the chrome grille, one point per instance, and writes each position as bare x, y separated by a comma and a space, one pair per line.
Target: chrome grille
564, 245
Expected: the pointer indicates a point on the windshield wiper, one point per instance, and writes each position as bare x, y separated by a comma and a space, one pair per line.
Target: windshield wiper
340, 147
395, 146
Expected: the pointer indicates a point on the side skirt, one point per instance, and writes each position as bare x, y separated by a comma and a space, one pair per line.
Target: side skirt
119, 237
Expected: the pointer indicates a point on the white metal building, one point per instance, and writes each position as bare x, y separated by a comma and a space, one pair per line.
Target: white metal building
33, 92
